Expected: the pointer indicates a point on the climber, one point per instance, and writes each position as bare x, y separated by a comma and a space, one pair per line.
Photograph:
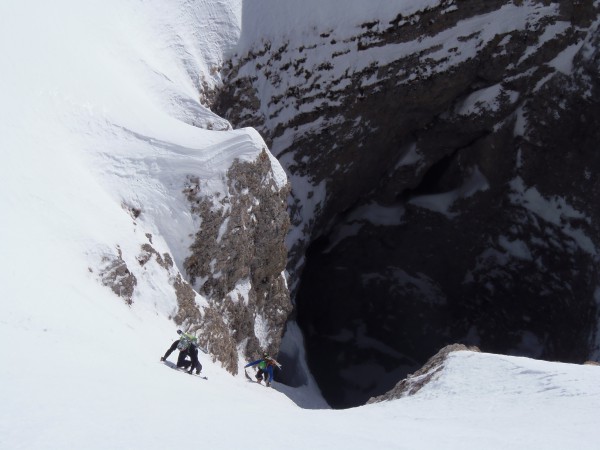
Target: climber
187, 344
265, 368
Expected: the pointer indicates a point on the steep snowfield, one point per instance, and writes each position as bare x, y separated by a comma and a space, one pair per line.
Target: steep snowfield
91, 380
98, 103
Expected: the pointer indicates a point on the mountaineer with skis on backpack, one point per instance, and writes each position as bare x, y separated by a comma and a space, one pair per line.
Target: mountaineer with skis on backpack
265, 368
187, 344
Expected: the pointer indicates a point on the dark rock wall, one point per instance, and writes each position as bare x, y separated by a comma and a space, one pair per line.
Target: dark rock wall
483, 139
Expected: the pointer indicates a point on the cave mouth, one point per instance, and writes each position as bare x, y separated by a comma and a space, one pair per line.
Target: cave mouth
370, 315
359, 342
366, 322
376, 301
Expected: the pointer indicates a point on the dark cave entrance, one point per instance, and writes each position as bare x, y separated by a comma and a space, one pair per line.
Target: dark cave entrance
367, 325
362, 304
375, 306
359, 340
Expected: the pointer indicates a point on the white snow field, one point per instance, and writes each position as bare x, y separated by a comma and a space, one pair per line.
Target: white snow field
99, 109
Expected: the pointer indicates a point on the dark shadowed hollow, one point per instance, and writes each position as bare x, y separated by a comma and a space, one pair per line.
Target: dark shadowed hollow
367, 322
359, 341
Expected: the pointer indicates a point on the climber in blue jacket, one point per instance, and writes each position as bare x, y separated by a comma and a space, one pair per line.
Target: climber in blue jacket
265, 368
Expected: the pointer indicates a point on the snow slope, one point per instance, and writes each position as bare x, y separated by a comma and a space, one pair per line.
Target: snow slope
81, 392
99, 110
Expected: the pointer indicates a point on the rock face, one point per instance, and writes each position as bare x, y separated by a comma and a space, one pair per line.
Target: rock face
443, 166
115, 274
415, 381
238, 260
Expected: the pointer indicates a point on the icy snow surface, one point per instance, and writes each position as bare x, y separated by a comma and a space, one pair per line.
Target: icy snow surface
99, 112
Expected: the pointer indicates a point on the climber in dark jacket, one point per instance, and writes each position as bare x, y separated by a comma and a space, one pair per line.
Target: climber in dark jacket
187, 345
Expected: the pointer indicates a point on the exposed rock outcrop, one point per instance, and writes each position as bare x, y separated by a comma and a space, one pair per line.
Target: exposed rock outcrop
238, 260
415, 381
115, 274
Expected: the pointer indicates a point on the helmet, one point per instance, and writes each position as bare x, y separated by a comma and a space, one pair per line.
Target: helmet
179, 332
